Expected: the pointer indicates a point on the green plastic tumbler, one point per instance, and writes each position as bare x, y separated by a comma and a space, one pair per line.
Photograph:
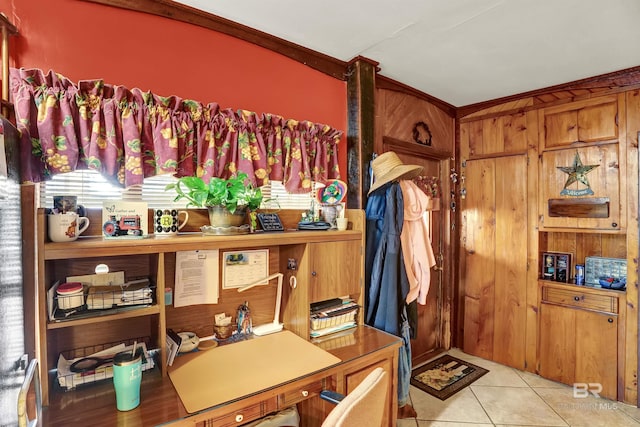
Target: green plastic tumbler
127, 375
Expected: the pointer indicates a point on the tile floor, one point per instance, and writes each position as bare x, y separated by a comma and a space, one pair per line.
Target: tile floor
509, 397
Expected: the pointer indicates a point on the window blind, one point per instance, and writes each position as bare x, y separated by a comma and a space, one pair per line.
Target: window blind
92, 189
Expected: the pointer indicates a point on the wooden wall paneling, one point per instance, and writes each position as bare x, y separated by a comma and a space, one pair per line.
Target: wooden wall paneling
530, 133
516, 132
588, 245
479, 234
632, 318
476, 139
502, 108
493, 135
613, 246
463, 149
402, 112
509, 339
199, 318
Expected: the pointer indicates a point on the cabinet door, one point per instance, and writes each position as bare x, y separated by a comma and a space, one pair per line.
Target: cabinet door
584, 121
557, 349
335, 270
596, 350
603, 180
579, 346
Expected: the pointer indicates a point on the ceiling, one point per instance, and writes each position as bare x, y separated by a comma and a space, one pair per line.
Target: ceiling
460, 51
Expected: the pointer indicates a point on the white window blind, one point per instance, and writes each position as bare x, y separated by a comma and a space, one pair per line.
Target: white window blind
92, 189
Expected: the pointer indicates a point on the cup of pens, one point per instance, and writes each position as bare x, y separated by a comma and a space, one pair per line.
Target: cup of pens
127, 376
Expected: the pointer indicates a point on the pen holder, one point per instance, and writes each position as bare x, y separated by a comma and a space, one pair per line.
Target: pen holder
225, 331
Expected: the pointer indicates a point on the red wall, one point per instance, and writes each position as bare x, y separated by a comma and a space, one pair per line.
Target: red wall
87, 41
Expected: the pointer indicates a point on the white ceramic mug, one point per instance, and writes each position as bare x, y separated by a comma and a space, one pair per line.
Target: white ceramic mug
66, 227
341, 223
166, 222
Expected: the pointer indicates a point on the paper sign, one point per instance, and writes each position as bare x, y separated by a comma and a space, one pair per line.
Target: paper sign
196, 278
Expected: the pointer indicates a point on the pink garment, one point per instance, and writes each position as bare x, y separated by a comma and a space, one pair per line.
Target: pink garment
416, 246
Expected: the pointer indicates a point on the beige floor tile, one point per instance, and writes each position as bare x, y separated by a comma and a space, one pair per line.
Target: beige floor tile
534, 380
630, 410
589, 411
449, 424
462, 407
516, 406
500, 375
407, 422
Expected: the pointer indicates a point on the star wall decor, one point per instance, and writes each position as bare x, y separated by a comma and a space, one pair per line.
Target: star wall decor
577, 173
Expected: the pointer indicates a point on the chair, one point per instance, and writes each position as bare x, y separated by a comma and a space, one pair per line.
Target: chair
32, 375
363, 407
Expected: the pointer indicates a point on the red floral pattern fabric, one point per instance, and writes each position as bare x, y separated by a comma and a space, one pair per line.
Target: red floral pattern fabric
128, 135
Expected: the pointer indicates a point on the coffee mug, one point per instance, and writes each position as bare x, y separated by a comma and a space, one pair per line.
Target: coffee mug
66, 227
166, 222
341, 223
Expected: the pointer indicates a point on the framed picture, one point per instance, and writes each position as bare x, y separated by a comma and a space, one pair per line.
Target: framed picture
556, 266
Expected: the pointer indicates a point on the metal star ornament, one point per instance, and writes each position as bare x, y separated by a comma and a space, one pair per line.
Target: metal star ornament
577, 173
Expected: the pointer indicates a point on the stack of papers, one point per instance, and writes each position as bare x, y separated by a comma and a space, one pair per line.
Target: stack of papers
328, 317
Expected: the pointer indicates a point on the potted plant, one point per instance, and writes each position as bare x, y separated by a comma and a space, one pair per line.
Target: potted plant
227, 200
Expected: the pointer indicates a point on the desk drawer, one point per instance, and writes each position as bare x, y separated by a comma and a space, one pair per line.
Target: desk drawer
244, 415
300, 393
579, 299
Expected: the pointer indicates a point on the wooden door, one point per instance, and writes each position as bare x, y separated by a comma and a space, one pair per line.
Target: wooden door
495, 259
433, 316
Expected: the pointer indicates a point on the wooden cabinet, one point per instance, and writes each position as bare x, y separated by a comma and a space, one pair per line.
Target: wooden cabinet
579, 336
329, 265
330, 275
582, 151
591, 120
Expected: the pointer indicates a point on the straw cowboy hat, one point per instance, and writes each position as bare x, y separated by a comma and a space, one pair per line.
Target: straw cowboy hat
388, 167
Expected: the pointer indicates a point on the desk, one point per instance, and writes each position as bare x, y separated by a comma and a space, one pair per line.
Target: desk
360, 353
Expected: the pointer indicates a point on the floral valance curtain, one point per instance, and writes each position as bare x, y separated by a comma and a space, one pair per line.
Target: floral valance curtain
128, 135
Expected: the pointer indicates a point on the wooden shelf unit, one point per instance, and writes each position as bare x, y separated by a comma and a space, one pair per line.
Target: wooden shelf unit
329, 265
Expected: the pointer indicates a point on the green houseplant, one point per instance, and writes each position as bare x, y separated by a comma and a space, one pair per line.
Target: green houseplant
227, 200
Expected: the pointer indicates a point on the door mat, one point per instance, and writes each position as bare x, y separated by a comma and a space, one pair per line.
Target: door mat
445, 376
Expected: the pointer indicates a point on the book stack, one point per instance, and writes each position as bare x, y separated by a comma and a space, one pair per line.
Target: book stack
334, 315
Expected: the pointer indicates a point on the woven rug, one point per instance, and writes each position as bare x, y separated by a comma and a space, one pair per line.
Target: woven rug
445, 376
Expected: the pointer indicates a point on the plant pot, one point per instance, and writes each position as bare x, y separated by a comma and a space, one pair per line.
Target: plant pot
219, 216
